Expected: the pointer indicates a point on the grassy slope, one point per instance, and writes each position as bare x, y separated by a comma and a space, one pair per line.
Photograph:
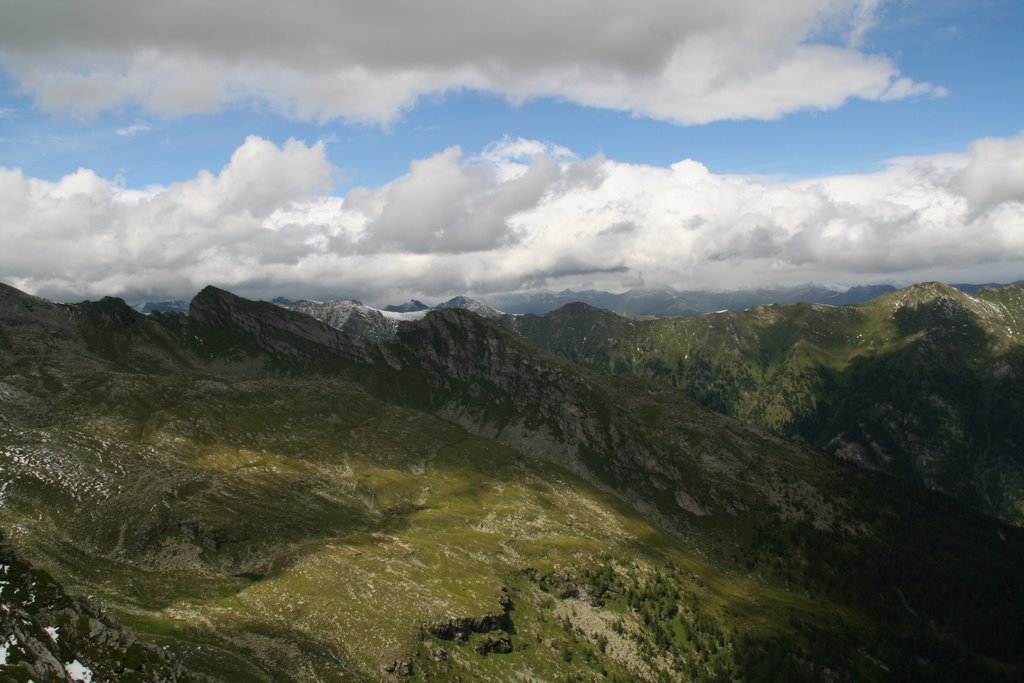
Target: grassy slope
307, 522
292, 526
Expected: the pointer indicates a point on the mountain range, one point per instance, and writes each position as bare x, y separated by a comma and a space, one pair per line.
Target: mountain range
926, 382
263, 496
669, 302
649, 301
930, 401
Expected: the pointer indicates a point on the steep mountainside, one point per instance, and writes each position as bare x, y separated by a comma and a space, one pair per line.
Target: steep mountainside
925, 382
47, 635
270, 498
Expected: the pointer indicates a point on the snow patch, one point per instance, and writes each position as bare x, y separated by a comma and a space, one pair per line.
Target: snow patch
78, 672
408, 315
5, 648
54, 633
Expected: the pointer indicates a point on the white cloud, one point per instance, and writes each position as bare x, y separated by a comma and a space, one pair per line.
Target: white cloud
993, 174
520, 215
132, 130
687, 61
865, 16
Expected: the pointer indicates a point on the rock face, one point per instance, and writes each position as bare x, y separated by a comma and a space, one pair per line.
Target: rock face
47, 635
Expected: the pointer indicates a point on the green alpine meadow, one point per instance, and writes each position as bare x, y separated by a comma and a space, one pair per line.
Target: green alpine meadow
245, 493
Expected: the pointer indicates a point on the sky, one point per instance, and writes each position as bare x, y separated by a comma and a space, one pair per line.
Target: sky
397, 149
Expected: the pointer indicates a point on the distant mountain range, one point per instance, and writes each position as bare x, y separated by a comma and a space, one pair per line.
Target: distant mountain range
668, 302
658, 302
177, 306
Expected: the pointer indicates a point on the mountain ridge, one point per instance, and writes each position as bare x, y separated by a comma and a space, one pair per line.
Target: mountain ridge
912, 367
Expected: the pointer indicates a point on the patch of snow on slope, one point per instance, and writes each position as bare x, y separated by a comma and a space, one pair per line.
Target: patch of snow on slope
78, 672
5, 648
89, 467
410, 315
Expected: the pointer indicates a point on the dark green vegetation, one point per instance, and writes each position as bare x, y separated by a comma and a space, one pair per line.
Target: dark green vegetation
272, 499
926, 382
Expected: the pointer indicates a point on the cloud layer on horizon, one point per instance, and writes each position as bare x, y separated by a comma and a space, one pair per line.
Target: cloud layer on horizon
686, 61
520, 215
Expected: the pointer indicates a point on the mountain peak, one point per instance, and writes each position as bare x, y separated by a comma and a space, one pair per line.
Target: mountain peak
932, 293
410, 306
473, 305
918, 294
931, 289
458, 302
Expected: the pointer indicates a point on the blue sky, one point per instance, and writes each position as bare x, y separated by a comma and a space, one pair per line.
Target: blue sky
857, 83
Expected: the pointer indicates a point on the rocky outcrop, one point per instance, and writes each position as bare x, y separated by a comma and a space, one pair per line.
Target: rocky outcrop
460, 628
47, 635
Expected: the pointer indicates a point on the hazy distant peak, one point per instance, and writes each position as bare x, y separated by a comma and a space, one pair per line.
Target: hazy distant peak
410, 306
176, 306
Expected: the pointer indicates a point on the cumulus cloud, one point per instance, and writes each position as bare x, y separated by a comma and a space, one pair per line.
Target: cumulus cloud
687, 61
520, 215
993, 174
